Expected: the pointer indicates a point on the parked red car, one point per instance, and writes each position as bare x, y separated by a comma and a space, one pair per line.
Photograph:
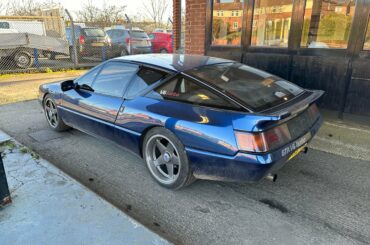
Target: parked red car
161, 42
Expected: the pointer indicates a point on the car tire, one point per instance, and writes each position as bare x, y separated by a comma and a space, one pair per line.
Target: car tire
52, 56
52, 115
167, 160
163, 51
23, 59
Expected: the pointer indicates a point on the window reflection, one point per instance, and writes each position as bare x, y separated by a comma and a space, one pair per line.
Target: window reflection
271, 23
227, 22
367, 38
327, 23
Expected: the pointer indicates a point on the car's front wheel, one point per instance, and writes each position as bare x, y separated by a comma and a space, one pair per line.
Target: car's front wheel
52, 115
166, 159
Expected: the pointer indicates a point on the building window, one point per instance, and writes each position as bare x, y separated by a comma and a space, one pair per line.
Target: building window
327, 24
226, 26
271, 23
367, 38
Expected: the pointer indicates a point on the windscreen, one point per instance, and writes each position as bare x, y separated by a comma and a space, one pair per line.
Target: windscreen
94, 32
258, 90
139, 34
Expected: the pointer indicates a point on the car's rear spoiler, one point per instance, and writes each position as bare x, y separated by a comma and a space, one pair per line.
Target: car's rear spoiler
297, 107
263, 120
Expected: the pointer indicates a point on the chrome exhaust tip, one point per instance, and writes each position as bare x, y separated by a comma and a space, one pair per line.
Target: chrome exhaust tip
271, 177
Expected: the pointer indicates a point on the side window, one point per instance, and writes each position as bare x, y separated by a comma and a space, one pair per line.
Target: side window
88, 78
119, 34
185, 90
113, 78
144, 78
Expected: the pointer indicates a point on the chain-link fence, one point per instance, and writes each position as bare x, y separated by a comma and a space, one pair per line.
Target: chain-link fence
53, 40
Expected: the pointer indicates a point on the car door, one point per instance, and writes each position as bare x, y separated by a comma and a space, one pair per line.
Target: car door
94, 105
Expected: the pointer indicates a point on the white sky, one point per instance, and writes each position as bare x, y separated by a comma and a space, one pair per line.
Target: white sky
133, 7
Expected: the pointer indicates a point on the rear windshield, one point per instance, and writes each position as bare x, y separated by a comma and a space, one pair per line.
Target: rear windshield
94, 32
256, 89
139, 34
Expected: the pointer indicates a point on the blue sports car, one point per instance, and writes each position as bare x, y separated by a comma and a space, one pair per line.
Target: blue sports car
189, 117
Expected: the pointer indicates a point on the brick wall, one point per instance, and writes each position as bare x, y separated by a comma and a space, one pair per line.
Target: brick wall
195, 23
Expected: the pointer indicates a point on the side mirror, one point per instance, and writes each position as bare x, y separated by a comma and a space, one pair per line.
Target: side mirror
67, 85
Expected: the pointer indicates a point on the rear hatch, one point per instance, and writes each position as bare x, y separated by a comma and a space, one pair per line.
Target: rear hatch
140, 39
281, 111
94, 37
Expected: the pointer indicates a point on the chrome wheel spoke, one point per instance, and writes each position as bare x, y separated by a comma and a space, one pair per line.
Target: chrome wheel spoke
159, 161
169, 167
175, 159
160, 146
170, 149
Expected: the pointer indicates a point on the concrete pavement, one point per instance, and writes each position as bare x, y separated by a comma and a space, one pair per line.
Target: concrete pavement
319, 198
49, 207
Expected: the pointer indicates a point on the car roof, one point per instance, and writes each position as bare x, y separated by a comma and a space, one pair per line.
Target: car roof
174, 62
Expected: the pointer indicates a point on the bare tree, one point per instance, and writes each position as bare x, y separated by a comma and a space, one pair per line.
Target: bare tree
105, 16
28, 7
89, 13
111, 14
156, 9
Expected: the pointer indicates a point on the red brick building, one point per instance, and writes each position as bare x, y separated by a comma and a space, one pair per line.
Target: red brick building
318, 44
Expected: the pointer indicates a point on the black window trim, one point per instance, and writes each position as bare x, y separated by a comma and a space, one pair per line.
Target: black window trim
205, 85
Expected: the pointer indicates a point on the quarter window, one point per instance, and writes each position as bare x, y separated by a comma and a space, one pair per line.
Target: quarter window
225, 15
143, 79
271, 23
89, 77
327, 24
113, 78
185, 90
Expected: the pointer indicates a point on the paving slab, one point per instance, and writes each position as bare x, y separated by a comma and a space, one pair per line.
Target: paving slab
49, 207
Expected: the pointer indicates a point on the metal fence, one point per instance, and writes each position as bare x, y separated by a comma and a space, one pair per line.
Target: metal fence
54, 41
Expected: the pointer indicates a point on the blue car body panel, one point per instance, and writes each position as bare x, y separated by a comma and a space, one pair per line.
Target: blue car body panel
207, 133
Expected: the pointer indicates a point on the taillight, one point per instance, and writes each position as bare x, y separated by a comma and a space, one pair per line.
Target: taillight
313, 111
263, 141
82, 39
128, 40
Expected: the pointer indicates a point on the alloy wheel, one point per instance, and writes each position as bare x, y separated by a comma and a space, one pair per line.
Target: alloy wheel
163, 159
51, 113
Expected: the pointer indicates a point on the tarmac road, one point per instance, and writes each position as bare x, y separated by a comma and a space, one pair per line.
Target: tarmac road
319, 198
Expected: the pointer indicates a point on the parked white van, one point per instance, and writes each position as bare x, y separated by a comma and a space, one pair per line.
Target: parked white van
23, 26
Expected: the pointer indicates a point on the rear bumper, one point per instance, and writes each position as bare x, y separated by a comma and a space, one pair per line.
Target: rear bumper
243, 167
141, 50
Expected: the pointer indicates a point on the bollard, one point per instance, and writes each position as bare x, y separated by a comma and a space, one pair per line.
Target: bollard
103, 53
4, 188
36, 58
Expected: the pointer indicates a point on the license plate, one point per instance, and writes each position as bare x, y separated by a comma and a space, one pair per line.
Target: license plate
296, 146
97, 44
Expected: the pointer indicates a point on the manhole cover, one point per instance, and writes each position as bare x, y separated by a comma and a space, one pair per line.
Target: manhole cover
45, 135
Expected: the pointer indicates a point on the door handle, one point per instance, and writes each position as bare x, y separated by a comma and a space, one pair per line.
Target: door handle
121, 109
